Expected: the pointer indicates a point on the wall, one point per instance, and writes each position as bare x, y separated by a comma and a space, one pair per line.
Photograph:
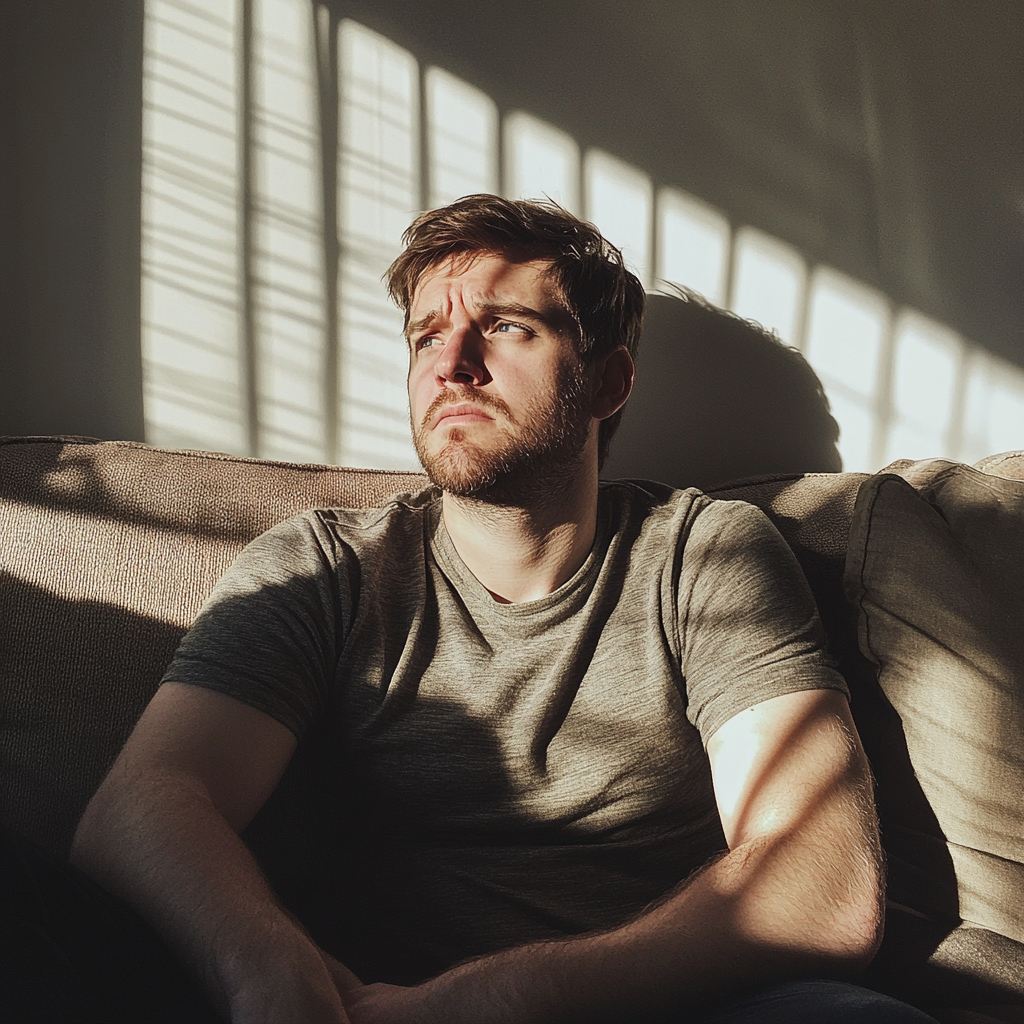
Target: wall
879, 138
69, 337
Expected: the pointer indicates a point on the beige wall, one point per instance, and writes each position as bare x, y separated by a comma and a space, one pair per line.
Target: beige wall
69, 338
879, 138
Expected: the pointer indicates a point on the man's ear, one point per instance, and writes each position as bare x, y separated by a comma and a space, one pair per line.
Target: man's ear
614, 382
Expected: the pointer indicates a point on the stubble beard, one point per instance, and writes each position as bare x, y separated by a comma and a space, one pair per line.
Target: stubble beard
527, 460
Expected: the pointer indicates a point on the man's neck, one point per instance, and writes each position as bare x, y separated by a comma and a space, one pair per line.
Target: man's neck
525, 553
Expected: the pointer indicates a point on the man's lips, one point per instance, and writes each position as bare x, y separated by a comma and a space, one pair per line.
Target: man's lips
458, 407
463, 413
463, 408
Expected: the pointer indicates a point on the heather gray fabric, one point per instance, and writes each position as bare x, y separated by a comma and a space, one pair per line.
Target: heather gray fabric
511, 771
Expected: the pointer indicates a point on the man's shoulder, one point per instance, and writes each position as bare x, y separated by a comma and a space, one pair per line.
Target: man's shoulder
655, 520
651, 500
405, 507
400, 509
330, 535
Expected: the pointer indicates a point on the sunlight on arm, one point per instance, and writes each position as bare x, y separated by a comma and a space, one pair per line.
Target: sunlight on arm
776, 762
736, 751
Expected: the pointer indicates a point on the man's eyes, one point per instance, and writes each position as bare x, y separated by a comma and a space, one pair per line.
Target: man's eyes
500, 327
510, 327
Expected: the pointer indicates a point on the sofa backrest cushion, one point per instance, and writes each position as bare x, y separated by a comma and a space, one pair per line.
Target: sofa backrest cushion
107, 551
936, 571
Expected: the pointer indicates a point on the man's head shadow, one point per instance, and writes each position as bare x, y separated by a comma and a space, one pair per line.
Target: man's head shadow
718, 398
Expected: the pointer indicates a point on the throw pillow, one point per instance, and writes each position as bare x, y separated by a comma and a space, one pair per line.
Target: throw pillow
936, 570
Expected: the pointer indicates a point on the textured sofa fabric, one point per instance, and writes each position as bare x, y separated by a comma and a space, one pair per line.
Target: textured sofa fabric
937, 573
107, 550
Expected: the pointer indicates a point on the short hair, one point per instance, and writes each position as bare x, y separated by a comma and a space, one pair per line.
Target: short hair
589, 274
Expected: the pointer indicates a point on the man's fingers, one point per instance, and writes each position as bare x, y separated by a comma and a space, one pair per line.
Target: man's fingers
344, 980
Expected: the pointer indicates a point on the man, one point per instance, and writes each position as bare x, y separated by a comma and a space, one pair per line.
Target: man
509, 682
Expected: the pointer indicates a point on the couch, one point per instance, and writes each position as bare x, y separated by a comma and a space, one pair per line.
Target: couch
108, 548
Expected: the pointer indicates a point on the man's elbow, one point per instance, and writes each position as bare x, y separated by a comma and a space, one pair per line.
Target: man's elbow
91, 842
850, 935
820, 913
832, 916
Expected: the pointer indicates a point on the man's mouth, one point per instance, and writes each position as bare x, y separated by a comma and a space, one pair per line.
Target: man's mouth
462, 413
455, 410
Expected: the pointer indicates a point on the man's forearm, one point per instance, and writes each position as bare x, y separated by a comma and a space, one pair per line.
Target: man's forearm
800, 894
740, 924
161, 845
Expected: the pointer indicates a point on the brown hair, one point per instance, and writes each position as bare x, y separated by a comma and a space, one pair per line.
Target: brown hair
588, 272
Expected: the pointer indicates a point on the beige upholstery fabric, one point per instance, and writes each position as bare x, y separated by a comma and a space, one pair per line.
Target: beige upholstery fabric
1008, 464
107, 551
936, 568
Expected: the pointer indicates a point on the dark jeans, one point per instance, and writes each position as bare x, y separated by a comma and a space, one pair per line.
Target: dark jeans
72, 954
817, 1002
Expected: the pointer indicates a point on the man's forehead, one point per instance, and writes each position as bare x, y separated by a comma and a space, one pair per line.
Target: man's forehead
487, 279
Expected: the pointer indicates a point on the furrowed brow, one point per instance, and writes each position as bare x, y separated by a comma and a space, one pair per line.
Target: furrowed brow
422, 323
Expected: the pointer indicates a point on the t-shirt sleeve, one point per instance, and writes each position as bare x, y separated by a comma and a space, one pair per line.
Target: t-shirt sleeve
269, 633
748, 623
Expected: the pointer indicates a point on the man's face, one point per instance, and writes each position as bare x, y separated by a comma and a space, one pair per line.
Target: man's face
499, 400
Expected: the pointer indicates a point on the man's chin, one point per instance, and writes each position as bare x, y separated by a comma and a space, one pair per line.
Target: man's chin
462, 469
516, 476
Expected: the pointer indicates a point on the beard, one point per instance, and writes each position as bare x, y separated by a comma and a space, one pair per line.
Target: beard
527, 460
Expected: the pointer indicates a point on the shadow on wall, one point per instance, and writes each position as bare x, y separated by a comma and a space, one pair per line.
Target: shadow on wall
717, 398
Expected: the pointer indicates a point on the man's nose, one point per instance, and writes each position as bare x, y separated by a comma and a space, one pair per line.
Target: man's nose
461, 360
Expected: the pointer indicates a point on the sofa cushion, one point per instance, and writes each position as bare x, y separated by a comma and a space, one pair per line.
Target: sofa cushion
107, 550
1008, 464
935, 568
812, 511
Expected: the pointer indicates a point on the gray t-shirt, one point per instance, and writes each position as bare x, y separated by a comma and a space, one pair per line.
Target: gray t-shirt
487, 774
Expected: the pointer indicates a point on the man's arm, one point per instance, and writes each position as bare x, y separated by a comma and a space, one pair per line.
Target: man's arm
799, 894
161, 833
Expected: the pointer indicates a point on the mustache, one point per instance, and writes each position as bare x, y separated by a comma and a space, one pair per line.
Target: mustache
468, 397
